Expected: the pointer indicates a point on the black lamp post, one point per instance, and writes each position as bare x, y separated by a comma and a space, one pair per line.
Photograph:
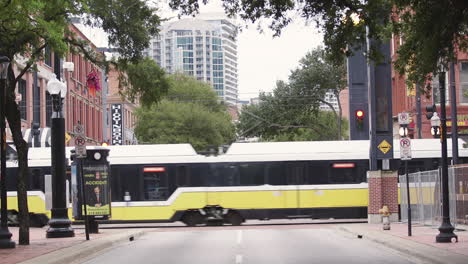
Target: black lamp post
5, 235
446, 229
59, 224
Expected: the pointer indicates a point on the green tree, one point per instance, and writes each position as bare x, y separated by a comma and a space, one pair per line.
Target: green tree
432, 30
190, 113
318, 74
28, 26
285, 116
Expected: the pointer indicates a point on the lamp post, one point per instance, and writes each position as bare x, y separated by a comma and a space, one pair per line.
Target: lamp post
5, 235
446, 229
435, 125
59, 224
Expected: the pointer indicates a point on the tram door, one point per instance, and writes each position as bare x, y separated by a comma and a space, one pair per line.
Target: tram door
296, 176
155, 185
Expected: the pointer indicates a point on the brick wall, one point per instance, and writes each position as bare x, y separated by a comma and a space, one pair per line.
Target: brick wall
383, 190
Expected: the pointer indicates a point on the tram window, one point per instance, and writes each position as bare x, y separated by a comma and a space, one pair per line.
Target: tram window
155, 186
296, 174
232, 175
252, 174
37, 181
318, 174
343, 175
276, 173
182, 176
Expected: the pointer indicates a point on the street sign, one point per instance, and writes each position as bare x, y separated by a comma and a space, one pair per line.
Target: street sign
403, 118
78, 129
80, 140
405, 149
80, 152
384, 146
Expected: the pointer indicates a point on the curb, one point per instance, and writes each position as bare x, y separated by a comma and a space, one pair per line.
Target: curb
423, 252
85, 249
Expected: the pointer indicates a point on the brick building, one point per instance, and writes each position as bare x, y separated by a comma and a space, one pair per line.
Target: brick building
81, 104
120, 118
404, 96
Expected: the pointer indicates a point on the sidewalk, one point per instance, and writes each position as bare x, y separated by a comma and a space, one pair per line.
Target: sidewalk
62, 250
421, 244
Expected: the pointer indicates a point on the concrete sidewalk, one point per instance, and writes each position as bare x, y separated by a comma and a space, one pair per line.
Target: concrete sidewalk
63, 250
420, 245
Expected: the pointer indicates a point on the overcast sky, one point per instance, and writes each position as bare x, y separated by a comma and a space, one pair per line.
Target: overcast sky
262, 59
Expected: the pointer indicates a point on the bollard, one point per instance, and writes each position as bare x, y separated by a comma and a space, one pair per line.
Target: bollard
385, 217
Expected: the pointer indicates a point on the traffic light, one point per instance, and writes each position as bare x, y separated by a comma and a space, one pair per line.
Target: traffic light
359, 118
430, 110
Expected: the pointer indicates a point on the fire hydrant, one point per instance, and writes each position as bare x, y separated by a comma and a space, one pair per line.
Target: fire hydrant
385, 217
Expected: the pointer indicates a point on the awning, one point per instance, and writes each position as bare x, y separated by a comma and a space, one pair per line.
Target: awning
41, 140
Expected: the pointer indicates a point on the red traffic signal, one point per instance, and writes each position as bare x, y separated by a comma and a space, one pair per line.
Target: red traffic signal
360, 114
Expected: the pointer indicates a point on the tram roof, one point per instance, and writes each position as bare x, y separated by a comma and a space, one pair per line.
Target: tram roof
331, 150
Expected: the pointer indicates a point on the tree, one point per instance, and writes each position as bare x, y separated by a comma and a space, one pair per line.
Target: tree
29, 26
286, 116
318, 74
344, 24
190, 113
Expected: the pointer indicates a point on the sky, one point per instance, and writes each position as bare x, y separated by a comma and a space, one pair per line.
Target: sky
262, 58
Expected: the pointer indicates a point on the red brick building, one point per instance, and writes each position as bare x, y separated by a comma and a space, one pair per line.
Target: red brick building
80, 104
404, 97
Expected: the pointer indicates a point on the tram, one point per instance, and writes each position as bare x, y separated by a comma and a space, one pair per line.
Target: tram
270, 180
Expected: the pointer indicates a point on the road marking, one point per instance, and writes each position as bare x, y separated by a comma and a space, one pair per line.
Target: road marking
239, 237
238, 259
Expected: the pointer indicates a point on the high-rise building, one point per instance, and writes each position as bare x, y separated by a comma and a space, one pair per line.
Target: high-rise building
205, 49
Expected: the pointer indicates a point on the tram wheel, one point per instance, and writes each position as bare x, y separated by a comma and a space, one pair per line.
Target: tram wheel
234, 218
192, 218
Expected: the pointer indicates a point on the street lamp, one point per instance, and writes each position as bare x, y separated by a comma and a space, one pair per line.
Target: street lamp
5, 235
435, 125
446, 229
59, 224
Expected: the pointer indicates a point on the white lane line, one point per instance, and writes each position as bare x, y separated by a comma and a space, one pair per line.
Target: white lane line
238, 259
239, 237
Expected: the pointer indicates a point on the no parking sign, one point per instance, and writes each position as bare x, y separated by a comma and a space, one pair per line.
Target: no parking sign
405, 149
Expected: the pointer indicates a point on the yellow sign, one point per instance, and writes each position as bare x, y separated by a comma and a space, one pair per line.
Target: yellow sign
384, 146
67, 137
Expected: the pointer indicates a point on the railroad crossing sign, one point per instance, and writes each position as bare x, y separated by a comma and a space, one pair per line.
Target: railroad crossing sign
384, 146
403, 118
405, 149
80, 141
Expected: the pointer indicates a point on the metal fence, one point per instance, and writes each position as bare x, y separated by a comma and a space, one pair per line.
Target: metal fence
426, 200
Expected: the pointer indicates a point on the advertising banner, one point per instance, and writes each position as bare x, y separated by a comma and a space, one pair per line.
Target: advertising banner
117, 124
97, 189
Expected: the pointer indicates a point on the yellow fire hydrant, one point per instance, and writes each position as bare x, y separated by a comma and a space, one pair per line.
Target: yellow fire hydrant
385, 217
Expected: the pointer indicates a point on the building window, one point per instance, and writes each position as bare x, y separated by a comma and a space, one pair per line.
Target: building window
22, 104
436, 90
48, 56
464, 82
48, 109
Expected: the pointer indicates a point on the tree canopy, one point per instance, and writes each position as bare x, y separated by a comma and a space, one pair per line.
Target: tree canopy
190, 113
432, 30
286, 116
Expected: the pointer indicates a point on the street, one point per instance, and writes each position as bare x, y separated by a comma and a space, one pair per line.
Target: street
313, 243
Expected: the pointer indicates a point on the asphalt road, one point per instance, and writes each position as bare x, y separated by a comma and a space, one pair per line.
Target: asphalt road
294, 244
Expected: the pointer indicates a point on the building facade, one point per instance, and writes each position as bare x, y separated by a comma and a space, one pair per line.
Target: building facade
119, 120
82, 104
405, 97
205, 49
